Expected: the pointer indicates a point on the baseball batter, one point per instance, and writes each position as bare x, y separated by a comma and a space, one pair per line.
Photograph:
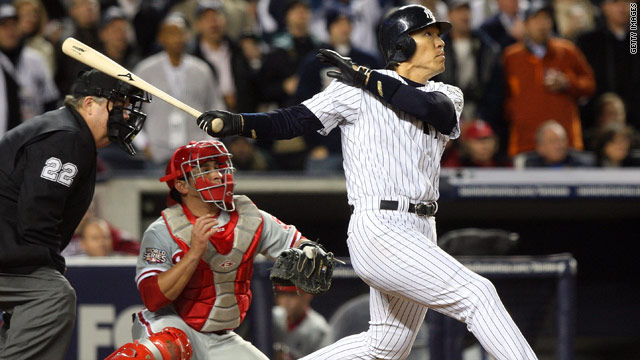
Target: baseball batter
196, 261
394, 124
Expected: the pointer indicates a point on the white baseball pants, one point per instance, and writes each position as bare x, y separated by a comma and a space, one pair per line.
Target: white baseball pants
396, 254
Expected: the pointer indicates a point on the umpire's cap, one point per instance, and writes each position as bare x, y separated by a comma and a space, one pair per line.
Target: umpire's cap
94, 83
394, 37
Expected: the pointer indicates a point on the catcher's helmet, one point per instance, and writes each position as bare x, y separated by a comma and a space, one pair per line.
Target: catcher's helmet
394, 37
213, 183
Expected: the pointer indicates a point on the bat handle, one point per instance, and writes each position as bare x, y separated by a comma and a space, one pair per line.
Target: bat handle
216, 125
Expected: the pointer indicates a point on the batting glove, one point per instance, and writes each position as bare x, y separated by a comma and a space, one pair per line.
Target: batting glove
233, 123
350, 73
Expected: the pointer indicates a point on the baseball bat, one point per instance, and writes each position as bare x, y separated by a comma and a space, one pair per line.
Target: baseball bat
93, 58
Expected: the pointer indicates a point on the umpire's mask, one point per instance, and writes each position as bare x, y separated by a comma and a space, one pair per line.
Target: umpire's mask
123, 99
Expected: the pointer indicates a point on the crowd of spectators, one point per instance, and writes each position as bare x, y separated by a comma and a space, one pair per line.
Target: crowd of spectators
546, 84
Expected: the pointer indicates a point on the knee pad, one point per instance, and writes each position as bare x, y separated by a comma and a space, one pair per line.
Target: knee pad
169, 344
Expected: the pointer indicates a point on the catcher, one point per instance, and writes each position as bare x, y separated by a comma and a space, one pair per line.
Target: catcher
196, 262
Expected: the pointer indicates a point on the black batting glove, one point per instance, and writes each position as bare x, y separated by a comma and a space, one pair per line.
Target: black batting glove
350, 73
233, 123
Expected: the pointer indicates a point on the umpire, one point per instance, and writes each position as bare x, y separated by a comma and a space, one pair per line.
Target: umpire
47, 180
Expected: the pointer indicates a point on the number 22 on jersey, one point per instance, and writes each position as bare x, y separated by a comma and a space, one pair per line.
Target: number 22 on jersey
55, 171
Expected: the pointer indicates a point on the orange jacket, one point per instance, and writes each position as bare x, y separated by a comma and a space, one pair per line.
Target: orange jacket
528, 103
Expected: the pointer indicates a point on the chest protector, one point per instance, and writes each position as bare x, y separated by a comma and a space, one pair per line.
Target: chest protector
218, 294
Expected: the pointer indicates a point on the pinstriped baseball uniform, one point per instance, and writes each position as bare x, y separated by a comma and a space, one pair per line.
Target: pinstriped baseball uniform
389, 155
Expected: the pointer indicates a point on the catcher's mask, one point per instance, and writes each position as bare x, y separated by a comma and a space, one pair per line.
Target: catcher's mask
207, 168
122, 99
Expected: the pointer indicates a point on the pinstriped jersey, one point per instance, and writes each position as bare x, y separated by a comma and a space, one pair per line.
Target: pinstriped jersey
387, 153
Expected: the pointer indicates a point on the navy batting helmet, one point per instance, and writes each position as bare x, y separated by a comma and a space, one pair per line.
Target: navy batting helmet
393, 36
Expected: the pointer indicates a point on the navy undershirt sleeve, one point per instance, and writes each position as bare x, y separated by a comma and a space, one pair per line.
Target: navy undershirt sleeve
434, 107
280, 124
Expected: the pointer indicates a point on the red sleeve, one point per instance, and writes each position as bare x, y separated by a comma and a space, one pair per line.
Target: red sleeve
152, 296
581, 79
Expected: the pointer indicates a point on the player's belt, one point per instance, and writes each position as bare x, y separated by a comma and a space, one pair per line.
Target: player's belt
420, 209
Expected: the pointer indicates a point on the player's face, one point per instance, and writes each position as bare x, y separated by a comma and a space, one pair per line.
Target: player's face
211, 169
429, 53
208, 170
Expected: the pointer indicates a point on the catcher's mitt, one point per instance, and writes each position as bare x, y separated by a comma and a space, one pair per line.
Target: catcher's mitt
308, 267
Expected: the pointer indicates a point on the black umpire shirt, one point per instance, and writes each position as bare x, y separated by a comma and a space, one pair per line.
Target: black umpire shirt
47, 180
